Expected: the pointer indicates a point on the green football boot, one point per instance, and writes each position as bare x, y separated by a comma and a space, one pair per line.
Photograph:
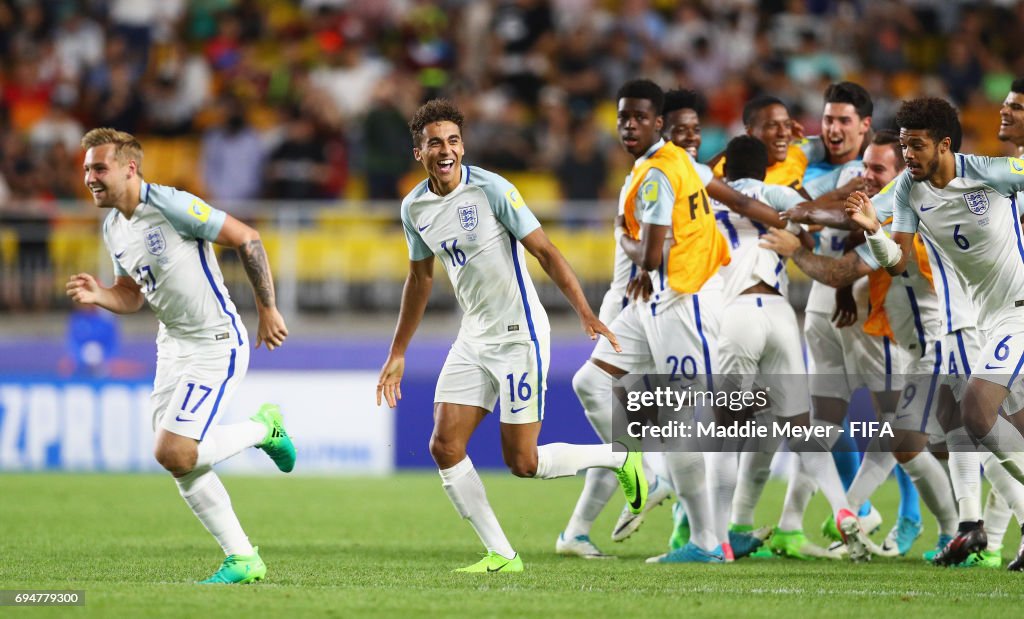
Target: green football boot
239, 570
795, 545
632, 479
493, 562
992, 558
277, 444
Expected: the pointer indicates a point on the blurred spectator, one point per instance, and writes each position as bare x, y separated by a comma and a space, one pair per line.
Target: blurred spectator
79, 43
28, 284
92, 346
232, 156
583, 173
523, 38
386, 134
120, 106
811, 62
179, 89
57, 127
297, 166
578, 72
961, 71
350, 77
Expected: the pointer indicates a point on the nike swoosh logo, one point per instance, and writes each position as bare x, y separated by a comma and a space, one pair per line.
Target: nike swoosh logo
422, 228
635, 503
498, 569
519, 410
898, 417
989, 366
120, 254
178, 418
928, 208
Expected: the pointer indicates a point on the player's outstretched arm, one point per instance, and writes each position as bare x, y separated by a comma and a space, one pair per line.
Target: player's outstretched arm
744, 205
835, 272
558, 269
890, 253
124, 297
820, 212
414, 302
247, 243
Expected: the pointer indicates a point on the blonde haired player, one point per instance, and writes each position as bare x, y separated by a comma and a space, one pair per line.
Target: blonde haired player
160, 240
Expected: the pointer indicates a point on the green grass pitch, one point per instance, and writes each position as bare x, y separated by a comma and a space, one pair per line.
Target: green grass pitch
340, 547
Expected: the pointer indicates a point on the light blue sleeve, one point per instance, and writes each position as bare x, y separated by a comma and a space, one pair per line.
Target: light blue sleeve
118, 271
656, 197
864, 253
509, 207
782, 198
904, 218
883, 202
704, 173
1004, 174
823, 184
189, 215
814, 149
418, 250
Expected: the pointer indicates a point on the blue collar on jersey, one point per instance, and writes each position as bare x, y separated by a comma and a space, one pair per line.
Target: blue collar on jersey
652, 150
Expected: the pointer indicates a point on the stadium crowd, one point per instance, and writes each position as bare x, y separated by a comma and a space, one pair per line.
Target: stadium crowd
309, 99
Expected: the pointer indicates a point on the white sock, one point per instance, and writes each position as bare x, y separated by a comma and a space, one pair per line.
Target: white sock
997, 518
209, 500
1007, 444
754, 470
466, 491
721, 480
799, 491
821, 466
933, 485
222, 442
598, 490
593, 387
687, 472
1005, 484
874, 469
563, 459
965, 474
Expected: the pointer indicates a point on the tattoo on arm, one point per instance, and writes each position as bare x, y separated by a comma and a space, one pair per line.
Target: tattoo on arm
257, 269
829, 271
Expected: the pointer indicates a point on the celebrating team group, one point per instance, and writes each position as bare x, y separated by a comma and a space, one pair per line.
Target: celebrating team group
917, 295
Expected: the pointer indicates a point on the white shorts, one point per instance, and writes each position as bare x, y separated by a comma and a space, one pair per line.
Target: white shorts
612, 304
514, 374
192, 390
1001, 359
960, 349
760, 345
678, 339
916, 411
841, 360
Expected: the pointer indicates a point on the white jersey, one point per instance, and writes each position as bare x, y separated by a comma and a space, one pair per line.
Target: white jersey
831, 241
911, 304
972, 224
474, 231
750, 263
166, 248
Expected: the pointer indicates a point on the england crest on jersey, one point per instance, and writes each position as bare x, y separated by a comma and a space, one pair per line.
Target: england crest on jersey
977, 201
155, 242
467, 217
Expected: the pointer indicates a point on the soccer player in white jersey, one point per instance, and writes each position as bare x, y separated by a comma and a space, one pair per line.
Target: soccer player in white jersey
476, 223
964, 206
997, 512
592, 383
160, 240
759, 345
911, 310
